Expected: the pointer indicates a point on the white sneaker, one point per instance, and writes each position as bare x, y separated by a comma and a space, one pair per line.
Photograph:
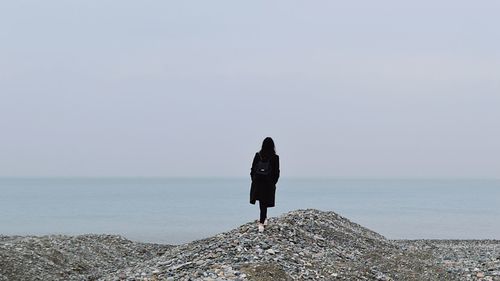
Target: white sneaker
265, 222
261, 227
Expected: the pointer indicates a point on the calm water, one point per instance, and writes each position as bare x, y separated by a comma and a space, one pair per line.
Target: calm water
181, 210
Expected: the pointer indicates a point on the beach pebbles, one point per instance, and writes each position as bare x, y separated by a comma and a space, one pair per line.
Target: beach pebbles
300, 245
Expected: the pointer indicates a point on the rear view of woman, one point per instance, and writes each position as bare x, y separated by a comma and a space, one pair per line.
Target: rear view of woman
265, 172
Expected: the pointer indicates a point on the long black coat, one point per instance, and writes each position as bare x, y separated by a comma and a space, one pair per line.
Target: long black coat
265, 191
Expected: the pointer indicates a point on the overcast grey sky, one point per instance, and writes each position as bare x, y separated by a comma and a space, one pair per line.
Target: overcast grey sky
190, 88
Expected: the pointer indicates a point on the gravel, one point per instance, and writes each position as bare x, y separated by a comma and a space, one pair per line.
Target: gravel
469, 259
59, 257
300, 245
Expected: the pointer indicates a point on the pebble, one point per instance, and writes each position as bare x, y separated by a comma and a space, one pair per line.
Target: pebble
270, 251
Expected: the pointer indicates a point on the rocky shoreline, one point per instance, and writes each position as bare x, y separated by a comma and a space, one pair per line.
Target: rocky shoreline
59, 257
469, 259
300, 245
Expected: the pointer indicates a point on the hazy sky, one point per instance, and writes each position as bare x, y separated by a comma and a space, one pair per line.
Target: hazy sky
190, 88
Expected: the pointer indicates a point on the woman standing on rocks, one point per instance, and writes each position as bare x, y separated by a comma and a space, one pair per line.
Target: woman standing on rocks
265, 172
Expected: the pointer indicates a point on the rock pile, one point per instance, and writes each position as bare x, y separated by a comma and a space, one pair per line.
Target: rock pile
59, 257
300, 245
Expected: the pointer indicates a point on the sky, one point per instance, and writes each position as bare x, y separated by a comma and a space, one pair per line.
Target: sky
347, 89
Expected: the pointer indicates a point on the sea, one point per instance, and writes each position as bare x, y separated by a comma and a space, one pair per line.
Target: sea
180, 210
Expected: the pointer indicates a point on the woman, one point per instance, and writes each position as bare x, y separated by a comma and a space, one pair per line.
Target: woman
265, 172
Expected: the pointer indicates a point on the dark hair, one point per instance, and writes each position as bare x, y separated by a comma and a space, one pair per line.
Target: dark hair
267, 150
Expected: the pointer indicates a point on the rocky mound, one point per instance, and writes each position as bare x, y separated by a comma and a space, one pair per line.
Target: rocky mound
300, 245
58, 257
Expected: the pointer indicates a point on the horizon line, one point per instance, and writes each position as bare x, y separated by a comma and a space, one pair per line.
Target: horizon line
245, 177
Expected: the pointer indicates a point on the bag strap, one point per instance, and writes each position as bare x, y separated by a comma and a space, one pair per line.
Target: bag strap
268, 160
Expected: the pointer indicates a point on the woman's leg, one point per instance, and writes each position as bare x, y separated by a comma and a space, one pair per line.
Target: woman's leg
263, 211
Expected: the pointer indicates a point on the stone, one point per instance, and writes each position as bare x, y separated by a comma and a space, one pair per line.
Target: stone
270, 251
